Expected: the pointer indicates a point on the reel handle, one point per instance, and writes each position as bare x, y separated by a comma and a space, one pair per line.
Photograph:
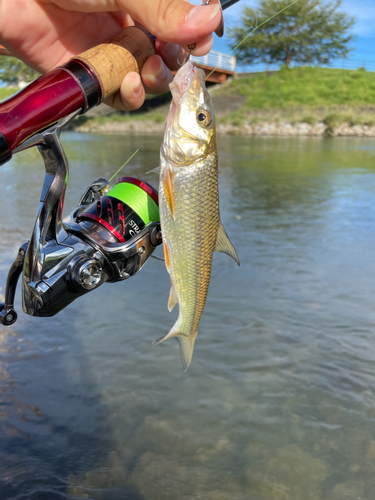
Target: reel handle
80, 84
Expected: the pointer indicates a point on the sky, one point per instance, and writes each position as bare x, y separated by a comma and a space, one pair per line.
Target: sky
363, 43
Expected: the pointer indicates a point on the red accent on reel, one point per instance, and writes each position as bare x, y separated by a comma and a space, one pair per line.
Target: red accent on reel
112, 230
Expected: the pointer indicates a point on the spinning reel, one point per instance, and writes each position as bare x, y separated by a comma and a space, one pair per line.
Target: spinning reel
107, 238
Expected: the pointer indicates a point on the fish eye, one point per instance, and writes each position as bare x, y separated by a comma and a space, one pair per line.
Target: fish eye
203, 118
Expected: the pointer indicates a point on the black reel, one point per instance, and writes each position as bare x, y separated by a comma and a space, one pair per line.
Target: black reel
108, 238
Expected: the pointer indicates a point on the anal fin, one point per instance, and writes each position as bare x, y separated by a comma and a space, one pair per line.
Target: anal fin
224, 245
173, 299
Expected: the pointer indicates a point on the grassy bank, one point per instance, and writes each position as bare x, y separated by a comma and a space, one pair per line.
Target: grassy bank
332, 97
302, 95
329, 97
305, 87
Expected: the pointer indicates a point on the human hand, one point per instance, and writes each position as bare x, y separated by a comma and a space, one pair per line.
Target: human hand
47, 33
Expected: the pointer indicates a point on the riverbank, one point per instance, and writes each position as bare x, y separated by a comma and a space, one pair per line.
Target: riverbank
291, 102
250, 127
300, 101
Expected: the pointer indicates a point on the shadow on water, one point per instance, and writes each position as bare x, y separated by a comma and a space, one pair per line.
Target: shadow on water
56, 439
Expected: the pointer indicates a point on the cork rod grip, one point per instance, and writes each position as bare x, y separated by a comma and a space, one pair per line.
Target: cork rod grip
113, 60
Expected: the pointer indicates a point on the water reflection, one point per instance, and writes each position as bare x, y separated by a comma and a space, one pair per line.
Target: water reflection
279, 401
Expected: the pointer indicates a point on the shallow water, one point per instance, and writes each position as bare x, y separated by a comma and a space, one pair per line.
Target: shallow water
279, 402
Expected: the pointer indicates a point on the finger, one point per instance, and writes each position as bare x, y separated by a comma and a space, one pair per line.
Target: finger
174, 21
202, 47
156, 76
131, 94
172, 54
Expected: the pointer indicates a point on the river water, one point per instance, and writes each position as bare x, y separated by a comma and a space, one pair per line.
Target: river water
279, 401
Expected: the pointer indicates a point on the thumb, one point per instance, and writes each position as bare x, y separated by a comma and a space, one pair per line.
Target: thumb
174, 21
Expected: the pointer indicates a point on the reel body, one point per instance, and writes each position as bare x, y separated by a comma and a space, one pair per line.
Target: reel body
107, 238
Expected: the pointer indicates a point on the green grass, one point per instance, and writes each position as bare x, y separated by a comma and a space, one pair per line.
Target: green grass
298, 95
306, 87
5, 92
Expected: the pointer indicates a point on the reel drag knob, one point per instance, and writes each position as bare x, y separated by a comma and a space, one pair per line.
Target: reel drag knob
89, 274
86, 273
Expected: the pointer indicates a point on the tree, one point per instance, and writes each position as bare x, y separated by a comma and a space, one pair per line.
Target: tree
307, 32
14, 71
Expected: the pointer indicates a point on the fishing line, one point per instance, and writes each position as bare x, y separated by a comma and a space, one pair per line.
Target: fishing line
127, 161
254, 29
251, 27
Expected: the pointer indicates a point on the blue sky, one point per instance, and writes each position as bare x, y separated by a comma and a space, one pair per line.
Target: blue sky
363, 30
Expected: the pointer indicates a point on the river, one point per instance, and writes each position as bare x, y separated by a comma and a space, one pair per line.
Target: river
279, 401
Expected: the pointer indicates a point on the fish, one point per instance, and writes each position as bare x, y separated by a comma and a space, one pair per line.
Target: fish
189, 203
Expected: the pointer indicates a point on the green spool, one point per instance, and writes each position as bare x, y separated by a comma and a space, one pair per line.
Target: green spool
139, 196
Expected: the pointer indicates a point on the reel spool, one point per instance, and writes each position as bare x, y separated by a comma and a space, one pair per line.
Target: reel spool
124, 211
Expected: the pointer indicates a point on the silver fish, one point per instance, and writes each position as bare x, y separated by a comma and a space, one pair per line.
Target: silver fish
189, 203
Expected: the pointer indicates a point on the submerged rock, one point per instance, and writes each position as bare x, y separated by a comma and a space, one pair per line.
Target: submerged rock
159, 478
350, 490
291, 475
172, 435
109, 475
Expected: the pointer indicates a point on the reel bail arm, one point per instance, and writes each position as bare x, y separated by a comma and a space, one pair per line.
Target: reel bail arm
8, 315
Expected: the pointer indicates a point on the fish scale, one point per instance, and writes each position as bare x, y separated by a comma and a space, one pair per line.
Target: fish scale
191, 237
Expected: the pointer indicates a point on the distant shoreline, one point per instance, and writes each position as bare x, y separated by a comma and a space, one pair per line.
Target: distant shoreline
284, 129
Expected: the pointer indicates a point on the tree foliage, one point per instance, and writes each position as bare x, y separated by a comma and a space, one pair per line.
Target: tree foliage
13, 71
307, 32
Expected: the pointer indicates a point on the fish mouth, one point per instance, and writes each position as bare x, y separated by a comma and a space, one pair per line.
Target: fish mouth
179, 86
182, 81
180, 144
185, 78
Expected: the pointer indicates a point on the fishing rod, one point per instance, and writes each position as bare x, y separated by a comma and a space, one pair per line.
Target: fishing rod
113, 231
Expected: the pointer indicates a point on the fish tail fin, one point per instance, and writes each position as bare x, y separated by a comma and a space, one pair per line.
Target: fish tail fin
172, 333
224, 245
186, 345
186, 349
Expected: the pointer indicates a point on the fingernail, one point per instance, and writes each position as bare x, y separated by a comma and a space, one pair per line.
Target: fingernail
137, 89
202, 14
161, 72
171, 50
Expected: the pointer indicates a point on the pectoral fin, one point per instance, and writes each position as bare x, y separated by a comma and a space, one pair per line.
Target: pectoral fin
167, 180
173, 299
224, 245
166, 256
